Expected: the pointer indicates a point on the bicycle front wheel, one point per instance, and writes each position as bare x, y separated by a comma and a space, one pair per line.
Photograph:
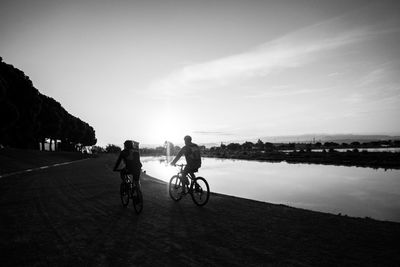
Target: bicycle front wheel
124, 194
200, 191
175, 188
137, 199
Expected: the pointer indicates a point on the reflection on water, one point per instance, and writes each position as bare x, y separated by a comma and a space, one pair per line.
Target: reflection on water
360, 192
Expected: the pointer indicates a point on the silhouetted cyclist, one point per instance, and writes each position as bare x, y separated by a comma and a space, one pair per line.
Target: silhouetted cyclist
131, 157
192, 156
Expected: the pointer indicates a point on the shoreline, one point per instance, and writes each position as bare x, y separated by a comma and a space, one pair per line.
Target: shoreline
260, 202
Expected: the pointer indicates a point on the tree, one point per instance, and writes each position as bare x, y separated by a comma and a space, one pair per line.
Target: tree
269, 146
233, 146
28, 117
355, 144
22, 99
97, 149
89, 138
110, 148
50, 120
8, 112
331, 144
260, 144
247, 145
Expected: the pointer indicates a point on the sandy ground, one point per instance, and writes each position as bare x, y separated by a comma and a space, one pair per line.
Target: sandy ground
71, 215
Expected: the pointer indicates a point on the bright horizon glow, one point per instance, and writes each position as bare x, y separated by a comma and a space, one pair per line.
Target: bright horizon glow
222, 71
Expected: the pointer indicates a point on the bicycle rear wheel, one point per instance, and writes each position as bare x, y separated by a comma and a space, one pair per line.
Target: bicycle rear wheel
137, 199
175, 188
124, 194
200, 191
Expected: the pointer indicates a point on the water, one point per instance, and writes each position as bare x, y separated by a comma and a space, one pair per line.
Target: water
353, 191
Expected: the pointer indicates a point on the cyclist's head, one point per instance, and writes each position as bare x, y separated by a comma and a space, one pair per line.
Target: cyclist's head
187, 139
128, 144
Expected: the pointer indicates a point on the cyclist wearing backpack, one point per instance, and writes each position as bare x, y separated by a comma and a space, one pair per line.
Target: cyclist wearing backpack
130, 156
192, 156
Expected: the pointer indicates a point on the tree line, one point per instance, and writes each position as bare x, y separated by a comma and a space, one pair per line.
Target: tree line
28, 117
268, 147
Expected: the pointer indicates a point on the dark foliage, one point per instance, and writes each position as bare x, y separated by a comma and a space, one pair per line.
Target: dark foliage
29, 117
111, 148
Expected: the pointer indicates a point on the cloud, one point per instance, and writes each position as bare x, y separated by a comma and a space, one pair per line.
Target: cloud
348, 33
293, 50
285, 93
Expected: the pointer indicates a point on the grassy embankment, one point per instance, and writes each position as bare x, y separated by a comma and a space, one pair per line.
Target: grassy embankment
13, 160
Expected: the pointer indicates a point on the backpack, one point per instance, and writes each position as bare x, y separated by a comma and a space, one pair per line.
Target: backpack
195, 156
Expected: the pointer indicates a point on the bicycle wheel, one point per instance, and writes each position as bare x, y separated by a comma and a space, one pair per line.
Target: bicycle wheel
175, 188
137, 199
124, 193
200, 191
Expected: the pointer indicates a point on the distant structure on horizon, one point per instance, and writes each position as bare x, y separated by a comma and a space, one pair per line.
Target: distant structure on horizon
311, 138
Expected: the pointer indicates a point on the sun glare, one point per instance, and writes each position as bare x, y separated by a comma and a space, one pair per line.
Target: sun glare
169, 129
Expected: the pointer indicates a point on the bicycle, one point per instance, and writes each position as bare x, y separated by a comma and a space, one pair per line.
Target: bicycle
198, 188
131, 189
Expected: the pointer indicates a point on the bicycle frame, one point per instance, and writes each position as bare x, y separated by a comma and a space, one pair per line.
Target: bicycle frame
191, 175
198, 187
131, 188
128, 179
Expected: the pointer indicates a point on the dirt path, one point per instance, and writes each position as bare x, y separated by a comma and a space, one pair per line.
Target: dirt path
71, 215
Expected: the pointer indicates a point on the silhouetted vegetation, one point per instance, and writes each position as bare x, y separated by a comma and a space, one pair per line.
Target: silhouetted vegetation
167, 148
317, 153
293, 147
110, 148
28, 117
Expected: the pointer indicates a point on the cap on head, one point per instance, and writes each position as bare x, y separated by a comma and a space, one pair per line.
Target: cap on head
187, 138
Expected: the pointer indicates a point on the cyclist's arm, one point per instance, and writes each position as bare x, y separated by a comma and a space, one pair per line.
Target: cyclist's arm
180, 153
117, 163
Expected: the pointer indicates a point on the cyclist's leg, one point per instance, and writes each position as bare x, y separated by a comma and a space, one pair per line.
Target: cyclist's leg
191, 172
137, 183
122, 174
136, 178
185, 180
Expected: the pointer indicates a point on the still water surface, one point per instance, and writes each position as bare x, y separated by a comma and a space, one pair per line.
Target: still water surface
359, 192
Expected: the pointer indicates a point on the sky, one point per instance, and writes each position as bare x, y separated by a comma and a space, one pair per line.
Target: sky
226, 70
